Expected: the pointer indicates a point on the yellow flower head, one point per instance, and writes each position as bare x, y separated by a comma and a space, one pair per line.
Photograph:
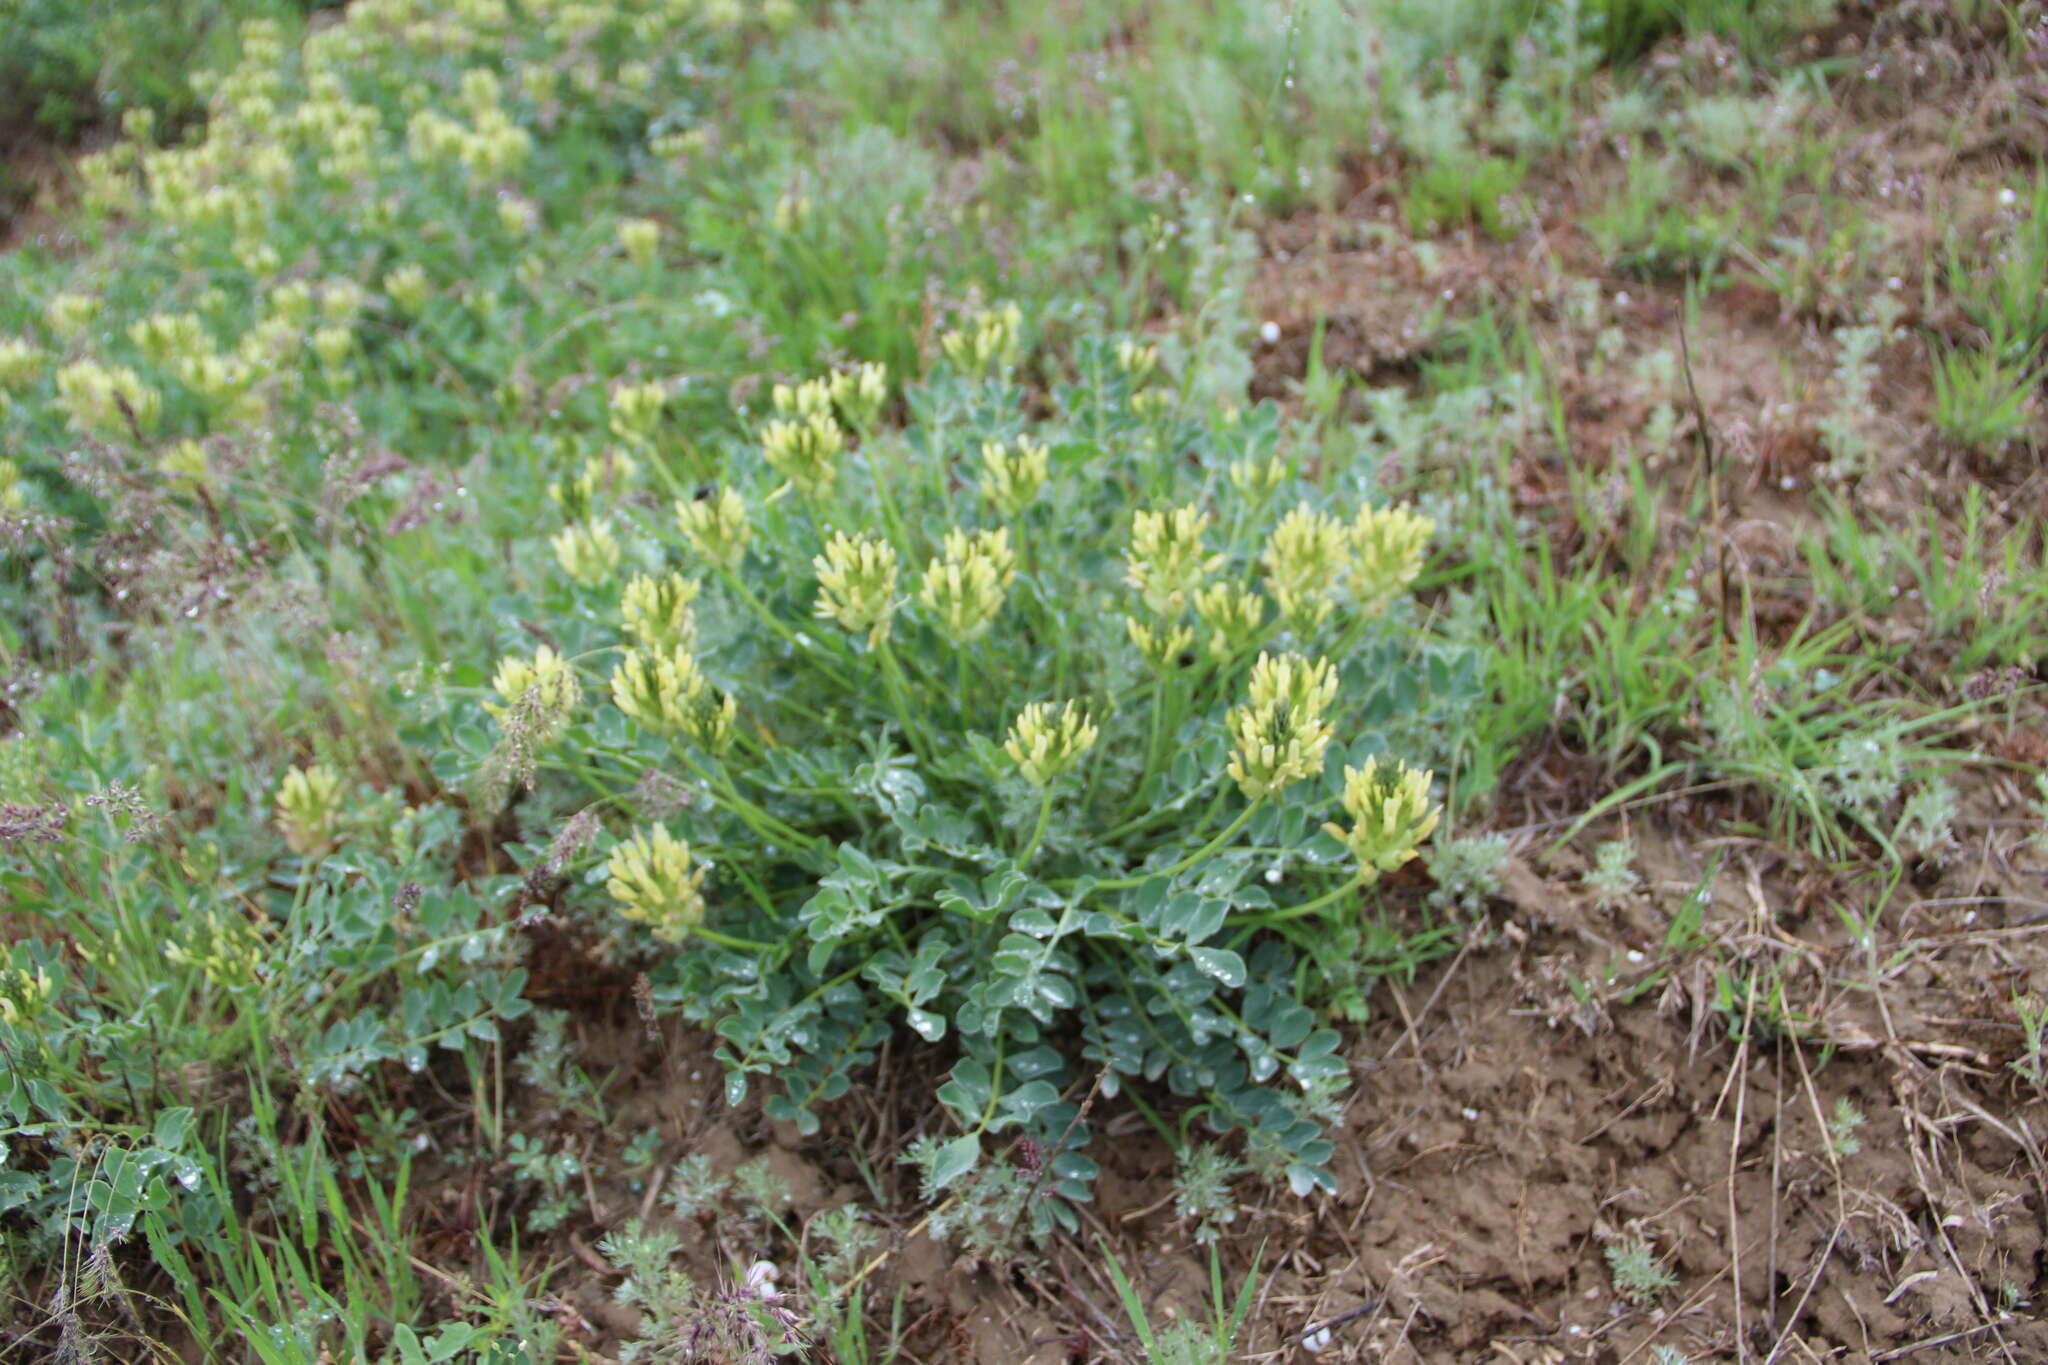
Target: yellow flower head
1303, 558
587, 552
1307, 687
861, 394
70, 314
577, 497
636, 411
857, 584
341, 299
1232, 617
1011, 478
183, 460
1388, 546
805, 450
991, 341
1161, 646
641, 238
542, 692
517, 216
1258, 479
792, 210
965, 586
309, 802
333, 342
23, 992
812, 398
409, 289
1391, 814
1136, 359
665, 691
1046, 740
656, 883
716, 527
164, 337
1167, 562
657, 611
21, 362
1151, 404
107, 401
1279, 736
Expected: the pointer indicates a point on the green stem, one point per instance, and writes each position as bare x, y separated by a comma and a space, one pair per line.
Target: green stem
756, 819
995, 1089
892, 677
1348, 886
1228, 833
1158, 724
1153, 817
1038, 831
727, 940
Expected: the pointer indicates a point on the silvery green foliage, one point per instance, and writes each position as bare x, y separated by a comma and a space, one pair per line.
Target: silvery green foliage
1468, 872
878, 867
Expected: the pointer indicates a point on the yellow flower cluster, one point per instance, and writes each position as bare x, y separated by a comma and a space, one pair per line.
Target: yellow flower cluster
857, 394
857, 584
1046, 740
636, 411
309, 808
964, 587
587, 552
409, 289
225, 945
1391, 814
543, 690
1280, 734
70, 314
665, 691
716, 527
1136, 359
658, 611
1160, 646
578, 496
1231, 616
991, 341
1388, 546
861, 393
107, 401
640, 239
23, 993
805, 451
21, 364
657, 883
1303, 559
1011, 476
1167, 561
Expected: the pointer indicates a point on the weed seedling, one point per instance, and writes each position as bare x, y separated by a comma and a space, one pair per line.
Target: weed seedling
1639, 1276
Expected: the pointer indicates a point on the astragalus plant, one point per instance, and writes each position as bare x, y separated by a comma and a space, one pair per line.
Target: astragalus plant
1055, 726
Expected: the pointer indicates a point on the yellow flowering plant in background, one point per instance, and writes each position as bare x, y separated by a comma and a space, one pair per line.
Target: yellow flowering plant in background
840, 650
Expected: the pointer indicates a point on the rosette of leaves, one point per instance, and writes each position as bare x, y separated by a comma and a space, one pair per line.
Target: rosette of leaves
1115, 913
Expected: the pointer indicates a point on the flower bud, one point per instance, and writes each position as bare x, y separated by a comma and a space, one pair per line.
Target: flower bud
1391, 814
1388, 546
716, 527
655, 882
1166, 561
1046, 740
857, 584
1303, 558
